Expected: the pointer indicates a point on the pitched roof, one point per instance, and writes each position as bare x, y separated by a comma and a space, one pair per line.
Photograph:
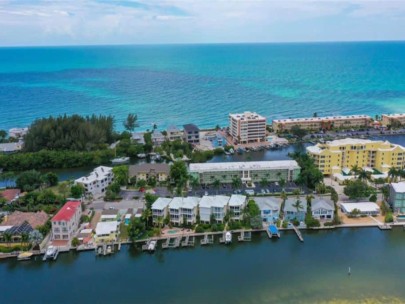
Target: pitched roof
292, 201
266, 203
322, 203
161, 203
10, 194
237, 200
67, 211
191, 128
106, 227
17, 218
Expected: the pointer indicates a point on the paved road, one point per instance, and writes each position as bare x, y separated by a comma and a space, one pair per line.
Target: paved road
123, 204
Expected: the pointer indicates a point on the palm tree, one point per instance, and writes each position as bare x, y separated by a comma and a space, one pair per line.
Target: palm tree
297, 205
146, 215
216, 184
392, 174
364, 175
236, 183
7, 237
194, 183
160, 224
264, 182
309, 198
24, 238
355, 169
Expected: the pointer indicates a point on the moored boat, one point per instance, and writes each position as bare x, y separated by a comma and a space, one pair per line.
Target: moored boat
24, 256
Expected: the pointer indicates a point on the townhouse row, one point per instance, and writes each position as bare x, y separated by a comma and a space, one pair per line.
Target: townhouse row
186, 209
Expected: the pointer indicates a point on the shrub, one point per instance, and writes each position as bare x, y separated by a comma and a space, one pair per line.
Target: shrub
388, 217
199, 229
328, 224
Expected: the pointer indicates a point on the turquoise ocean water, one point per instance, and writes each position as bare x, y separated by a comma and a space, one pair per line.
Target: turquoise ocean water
175, 84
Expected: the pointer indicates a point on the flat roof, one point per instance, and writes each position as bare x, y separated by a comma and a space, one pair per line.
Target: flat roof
394, 115
362, 206
398, 187
237, 166
247, 116
97, 174
106, 227
319, 119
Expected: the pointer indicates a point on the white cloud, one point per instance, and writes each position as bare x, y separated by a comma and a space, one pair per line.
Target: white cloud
171, 21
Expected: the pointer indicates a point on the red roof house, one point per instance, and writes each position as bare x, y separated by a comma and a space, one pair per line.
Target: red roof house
67, 212
10, 194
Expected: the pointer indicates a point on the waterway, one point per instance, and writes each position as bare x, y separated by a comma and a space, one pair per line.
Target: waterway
262, 271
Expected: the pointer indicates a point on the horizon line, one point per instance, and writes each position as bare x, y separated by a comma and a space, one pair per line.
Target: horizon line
201, 43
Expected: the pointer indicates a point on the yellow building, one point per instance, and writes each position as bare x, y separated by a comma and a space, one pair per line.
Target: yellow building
339, 156
106, 232
159, 171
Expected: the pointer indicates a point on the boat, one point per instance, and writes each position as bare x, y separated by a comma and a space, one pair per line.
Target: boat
152, 246
109, 250
24, 256
232, 151
227, 153
51, 253
228, 237
141, 155
120, 160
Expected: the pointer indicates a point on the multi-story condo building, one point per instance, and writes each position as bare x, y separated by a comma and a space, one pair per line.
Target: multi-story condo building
159, 171
66, 222
183, 210
248, 172
191, 134
173, 133
160, 209
97, 181
318, 123
397, 197
390, 119
215, 206
247, 127
340, 156
236, 205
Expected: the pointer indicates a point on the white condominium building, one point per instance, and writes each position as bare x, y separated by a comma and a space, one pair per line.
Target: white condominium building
97, 181
247, 127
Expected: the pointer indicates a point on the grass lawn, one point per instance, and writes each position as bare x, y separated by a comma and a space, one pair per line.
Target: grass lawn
123, 232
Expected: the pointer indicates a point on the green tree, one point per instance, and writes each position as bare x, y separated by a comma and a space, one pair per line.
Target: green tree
393, 174
75, 242
264, 182
29, 180
364, 175
121, 174
309, 175
178, 173
194, 183
236, 183
357, 189
77, 191
216, 184
298, 205
3, 135
51, 179
131, 122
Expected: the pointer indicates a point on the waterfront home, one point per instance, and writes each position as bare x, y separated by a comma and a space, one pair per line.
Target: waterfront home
183, 210
295, 209
338, 157
159, 171
173, 133
66, 222
236, 205
157, 138
322, 208
106, 232
191, 134
16, 232
85, 236
247, 127
248, 172
364, 208
97, 181
269, 208
397, 197
110, 215
160, 209
17, 218
392, 119
17, 132
215, 206
9, 148
138, 138
10, 195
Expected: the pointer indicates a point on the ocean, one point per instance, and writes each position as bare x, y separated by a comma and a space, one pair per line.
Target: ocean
177, 84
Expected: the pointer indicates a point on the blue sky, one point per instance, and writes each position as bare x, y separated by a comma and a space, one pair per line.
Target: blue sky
78, 22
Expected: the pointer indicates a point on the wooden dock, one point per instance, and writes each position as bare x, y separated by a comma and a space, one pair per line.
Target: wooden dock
105, 249
188, 241
245, 236
208, 239
298, 232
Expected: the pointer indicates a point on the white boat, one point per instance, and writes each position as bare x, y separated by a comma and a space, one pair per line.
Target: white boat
228, 237
152, 245
120, 160
51, 253
141, 155
109, 250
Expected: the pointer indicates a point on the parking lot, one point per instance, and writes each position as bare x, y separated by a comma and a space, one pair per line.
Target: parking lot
226, 189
